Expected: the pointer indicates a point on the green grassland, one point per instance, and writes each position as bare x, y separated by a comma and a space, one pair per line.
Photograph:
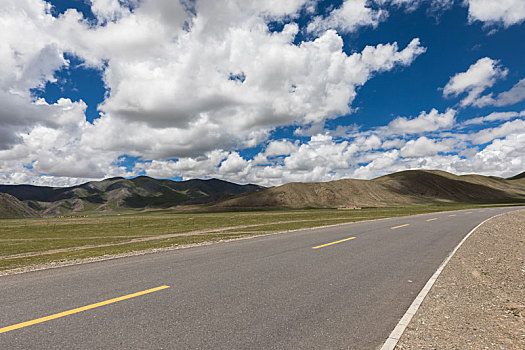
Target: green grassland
26, 242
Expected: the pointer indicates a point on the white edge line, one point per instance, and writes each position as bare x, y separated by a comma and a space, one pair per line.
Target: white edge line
398, 331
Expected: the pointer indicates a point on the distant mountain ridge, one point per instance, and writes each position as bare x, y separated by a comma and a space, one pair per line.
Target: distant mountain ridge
119, 194
401, 188
517, 177
116, 194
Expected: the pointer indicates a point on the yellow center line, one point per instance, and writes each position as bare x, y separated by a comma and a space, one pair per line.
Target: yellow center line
452, 215
468, 212
432, 219
327, 244
392, 228
80, 309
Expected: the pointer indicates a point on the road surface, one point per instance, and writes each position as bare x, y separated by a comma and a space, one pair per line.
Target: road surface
342, 287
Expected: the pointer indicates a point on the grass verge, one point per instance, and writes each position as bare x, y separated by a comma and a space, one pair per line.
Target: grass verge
88, 237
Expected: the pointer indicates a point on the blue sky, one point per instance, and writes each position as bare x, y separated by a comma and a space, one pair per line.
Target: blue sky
265, 92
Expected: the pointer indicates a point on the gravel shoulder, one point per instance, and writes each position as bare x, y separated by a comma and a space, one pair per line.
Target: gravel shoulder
478, 301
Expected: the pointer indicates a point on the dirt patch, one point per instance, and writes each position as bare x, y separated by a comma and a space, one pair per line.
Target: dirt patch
478, 302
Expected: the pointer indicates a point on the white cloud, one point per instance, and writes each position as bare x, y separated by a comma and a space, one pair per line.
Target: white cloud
321, 150
424, 122
440, 5
505, 12
480, 76
371, 142
423, 147
514, 95
504, 157
109, 10
434, 6
190, 86
184, 81
495, 116
394, 143
352, 15
323, 158
187, 168
233, 164
487, 135
280, 148
29, 56
283, 83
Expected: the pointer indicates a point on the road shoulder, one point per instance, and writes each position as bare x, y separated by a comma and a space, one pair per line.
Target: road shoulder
478, 301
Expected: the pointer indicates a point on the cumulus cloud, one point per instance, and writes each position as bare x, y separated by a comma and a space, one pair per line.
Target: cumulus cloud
514, 95
280, 147
487, 135
496, 12
435, 6
421, 147
275, 148
186, 168
510, 149
110, 10
29, 57
480, 76
185, 80
424, 122
367, 154
393, 143
352, 15
495, 116
282, 83
190, 84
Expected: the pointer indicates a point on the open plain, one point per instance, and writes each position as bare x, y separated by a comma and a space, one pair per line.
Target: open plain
41, 241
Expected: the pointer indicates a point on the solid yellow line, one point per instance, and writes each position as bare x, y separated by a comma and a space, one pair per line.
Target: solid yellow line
80, 309
399, 226
327, 244
432, 219
452, 215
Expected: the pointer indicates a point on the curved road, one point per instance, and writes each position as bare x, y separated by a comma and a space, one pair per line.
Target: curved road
342, 287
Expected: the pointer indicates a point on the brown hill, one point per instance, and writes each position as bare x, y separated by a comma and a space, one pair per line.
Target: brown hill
402, 188
12, 208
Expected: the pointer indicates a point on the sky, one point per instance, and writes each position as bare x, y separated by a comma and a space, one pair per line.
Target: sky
265, 92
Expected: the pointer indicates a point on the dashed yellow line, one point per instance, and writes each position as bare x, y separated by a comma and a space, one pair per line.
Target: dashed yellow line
432, 219
452, 215
336, 242
80, 309
392, 228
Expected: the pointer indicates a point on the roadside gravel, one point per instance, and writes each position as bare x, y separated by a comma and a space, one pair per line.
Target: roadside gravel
478, 301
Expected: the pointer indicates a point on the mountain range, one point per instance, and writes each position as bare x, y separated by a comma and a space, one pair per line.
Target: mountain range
116, 194
145, 193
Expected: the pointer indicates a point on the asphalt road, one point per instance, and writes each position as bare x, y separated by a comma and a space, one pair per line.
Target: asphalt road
272, 292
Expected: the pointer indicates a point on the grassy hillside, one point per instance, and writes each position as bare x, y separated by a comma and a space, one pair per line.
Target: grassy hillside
402, 188
319, 195
12, 208
444, 186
